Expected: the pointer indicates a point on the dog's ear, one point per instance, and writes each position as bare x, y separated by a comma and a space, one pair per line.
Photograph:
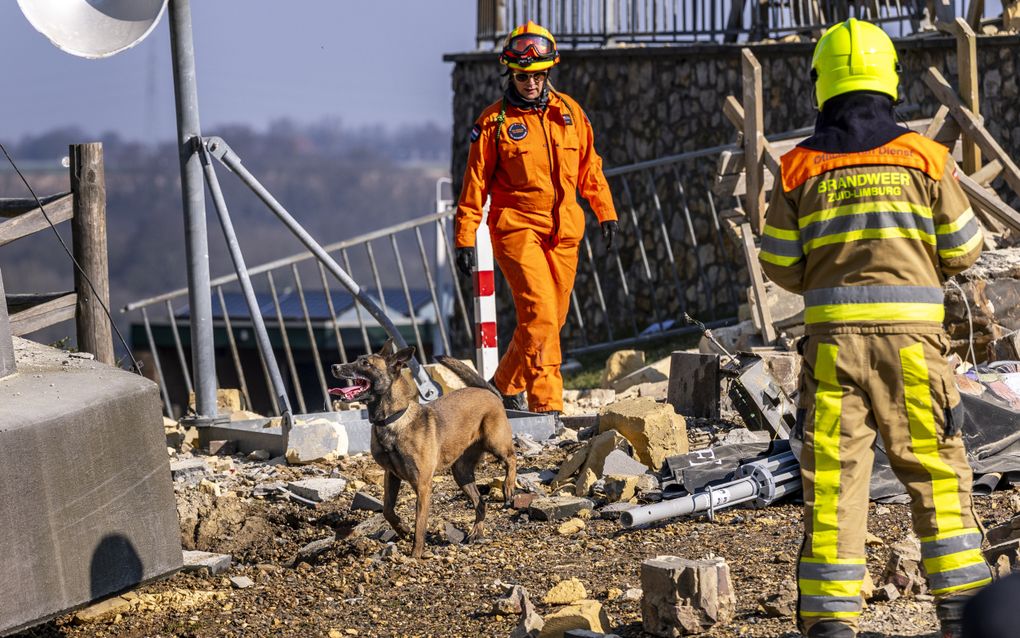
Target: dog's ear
387, 348
400, 358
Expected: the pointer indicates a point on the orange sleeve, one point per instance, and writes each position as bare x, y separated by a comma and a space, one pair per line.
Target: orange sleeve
591, 181
477, 178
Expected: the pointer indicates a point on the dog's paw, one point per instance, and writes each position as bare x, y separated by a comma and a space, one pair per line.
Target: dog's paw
403, 531
476, 533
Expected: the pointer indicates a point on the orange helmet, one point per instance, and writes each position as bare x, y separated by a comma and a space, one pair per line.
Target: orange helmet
530, 47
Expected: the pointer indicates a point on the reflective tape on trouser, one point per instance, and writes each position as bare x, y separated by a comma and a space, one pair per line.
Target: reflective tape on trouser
830, 589
954, 562
952, 557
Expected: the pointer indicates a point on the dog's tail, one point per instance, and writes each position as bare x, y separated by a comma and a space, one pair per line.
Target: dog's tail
471, 378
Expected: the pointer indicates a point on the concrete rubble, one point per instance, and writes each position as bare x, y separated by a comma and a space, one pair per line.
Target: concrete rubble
685, 597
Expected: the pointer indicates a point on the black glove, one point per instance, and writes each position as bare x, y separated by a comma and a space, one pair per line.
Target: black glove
609, 230
466, 260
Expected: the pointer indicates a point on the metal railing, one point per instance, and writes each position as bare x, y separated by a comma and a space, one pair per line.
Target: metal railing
578, 23
406, 268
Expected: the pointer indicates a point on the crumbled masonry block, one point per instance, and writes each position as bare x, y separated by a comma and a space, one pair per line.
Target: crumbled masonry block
555, 508
620, 364
319, 490
367, 502
213, 563
653, 373
684, 597
653, 429
584, 614
316, 440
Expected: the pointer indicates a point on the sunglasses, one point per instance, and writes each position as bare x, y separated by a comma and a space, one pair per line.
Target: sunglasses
523, 78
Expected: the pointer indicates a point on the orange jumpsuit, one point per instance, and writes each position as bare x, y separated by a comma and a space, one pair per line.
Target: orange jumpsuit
543, 158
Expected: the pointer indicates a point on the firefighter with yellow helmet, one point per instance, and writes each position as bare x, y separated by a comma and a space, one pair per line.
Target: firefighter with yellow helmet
867, 222
532, 152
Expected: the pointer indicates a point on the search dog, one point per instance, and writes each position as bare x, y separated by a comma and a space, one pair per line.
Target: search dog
412, 441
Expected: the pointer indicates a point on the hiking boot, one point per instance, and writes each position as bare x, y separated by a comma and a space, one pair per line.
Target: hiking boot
950, 615
831, 630
511, 401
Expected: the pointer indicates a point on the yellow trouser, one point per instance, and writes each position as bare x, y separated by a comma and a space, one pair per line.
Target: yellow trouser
852, 386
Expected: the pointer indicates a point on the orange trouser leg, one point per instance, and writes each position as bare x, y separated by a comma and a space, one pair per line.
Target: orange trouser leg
540, 279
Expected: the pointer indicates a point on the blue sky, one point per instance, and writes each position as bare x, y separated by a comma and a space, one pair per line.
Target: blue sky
365, 62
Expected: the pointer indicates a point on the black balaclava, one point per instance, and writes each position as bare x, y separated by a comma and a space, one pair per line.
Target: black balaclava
854, 122
516, 99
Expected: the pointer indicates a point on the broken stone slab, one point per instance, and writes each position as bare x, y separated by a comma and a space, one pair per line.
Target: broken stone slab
683, 597
597, 397
570, 527
1006, 531
570, 467
366, 502
316, 440
782, 604
620, 488
188, 470
565, 592
195, 561
594, 462
555, 508
620, 364
527, 445
524, 500
1010, 550
655, 430
740, 436
445, 378
530, 623
102, 609
584, 614
454, 535
903, 569
313, 550
319, 490
885, 593
784, 368
241, 582
728, 336
657, 372
620, 463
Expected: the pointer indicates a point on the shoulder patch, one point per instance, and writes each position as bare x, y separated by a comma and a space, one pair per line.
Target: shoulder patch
567, 119
517, 131
476, 132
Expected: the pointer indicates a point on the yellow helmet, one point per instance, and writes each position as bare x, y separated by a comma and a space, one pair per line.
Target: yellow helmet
854, 56
530, 47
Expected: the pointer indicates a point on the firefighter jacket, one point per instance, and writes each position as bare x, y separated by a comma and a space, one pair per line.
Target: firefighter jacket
869, 237
533, 172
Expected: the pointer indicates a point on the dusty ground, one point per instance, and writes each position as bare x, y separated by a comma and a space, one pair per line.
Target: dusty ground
352, 590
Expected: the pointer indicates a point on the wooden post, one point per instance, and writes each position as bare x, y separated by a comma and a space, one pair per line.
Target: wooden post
88, 232
754, 138
7, 364
966, 60
759, 300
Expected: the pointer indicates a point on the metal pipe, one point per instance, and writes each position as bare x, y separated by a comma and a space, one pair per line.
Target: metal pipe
598, 287
167, 407
181, 358
458, 292
234, 354
646, 268
407, 293
332, 313
288, 353
375, 273
620, 343
432, 289
189, 136
316, 359
237, 257
357, 308
426, 388
660, 218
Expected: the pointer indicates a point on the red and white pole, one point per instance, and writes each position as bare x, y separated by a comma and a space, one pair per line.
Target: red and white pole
486, 351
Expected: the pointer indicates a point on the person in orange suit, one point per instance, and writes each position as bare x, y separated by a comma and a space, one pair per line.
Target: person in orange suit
531, 152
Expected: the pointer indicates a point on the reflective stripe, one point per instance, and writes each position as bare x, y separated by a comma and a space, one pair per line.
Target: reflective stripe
963, 540
924, 441
873, 294
776, 246
964, 219
968, 577
949, 562
826, 431
838, 588
864, 207
777, 259
880, 219
973, 231
914, 312
828, 605
828, 571
869, 233
781, 233
829, 614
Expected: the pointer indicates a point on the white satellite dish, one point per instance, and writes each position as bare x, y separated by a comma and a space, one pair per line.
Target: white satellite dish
93, 28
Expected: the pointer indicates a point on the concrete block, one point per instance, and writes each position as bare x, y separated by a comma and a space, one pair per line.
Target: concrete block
85, 490
188, 470
195, 561
619, 463
319, 490
653, 429
620, 364
694, 384
684, 597
556, 508
316, 440
367, 502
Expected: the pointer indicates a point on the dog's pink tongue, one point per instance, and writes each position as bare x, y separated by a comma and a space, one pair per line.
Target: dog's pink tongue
347, 393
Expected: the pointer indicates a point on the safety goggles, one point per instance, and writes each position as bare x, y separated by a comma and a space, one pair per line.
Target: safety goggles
524, 78
531, 44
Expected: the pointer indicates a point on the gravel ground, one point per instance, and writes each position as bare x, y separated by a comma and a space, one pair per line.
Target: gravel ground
358, 587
